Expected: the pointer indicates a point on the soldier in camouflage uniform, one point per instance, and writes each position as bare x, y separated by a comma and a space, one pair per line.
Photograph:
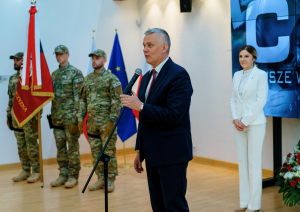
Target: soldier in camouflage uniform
27, 135
100, 97
67, 83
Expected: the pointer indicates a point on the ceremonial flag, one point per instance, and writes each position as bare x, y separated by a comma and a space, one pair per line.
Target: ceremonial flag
145, 68
89, 69
34, 89
127, 124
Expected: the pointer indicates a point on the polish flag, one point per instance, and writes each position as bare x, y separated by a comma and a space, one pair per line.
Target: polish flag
89, 69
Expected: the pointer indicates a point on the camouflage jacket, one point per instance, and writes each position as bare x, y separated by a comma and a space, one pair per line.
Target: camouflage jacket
12, 88
67, 84
99, 97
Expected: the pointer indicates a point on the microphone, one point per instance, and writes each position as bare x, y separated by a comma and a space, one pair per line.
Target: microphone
136, 75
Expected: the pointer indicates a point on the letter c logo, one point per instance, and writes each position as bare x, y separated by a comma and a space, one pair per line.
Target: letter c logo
273, 54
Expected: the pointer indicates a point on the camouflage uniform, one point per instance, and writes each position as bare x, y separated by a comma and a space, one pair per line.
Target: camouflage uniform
26, 140
100, 99
67, 83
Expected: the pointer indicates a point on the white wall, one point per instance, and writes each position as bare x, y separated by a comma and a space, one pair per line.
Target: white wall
201, 43
68, 22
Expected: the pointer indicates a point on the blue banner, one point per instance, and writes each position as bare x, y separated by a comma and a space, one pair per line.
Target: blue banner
127, 124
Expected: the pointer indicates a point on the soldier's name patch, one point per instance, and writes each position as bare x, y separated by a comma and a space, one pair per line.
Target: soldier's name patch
78, 80
116, 84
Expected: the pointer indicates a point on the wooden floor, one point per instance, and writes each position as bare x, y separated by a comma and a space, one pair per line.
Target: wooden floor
210, 189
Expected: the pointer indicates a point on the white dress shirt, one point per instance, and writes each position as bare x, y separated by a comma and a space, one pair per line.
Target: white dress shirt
244, 79
157, 69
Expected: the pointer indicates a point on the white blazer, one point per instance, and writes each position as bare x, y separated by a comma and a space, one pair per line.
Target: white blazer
255, 92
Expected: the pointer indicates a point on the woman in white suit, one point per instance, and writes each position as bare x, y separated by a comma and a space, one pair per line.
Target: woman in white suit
249, 96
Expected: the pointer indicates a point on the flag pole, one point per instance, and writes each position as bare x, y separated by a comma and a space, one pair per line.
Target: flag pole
33, 2
40, 150
90, 164
125, 165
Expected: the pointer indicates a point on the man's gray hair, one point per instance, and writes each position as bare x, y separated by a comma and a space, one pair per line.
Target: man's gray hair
165, 38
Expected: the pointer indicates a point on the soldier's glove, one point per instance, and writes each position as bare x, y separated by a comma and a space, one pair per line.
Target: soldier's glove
8, 122
109, 127
35, 124
73, 128
80, 127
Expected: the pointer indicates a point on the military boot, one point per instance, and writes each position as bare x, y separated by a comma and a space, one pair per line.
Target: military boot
61, 180
98, 185
34, 178
22, 176
110, 185
71, 183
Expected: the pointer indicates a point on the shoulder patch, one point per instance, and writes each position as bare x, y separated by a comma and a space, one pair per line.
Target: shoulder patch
116, 84
78, 80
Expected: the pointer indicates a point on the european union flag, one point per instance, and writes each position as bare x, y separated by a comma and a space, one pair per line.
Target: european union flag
127, 124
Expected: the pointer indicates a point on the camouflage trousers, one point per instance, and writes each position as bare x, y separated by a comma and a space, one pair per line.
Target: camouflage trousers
68, 158
28, 147
97, 144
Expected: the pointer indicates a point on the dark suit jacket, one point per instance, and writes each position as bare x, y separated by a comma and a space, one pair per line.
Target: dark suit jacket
164, 131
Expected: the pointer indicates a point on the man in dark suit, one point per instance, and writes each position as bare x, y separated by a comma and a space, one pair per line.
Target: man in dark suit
164, 131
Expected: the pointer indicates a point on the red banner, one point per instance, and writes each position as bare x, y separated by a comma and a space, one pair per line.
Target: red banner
34, 89
29, 102
26, 105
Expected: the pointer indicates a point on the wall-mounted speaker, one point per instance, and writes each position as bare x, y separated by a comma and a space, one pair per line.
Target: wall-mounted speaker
185, 6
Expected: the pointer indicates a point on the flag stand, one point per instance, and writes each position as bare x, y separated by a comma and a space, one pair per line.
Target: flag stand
40, 150
125, 165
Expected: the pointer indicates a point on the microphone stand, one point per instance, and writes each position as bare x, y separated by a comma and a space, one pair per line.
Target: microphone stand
105, 159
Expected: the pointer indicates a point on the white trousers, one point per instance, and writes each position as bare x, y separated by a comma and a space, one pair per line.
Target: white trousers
249, 147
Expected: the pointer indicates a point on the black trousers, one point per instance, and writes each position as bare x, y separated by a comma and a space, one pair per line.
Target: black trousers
167, 187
